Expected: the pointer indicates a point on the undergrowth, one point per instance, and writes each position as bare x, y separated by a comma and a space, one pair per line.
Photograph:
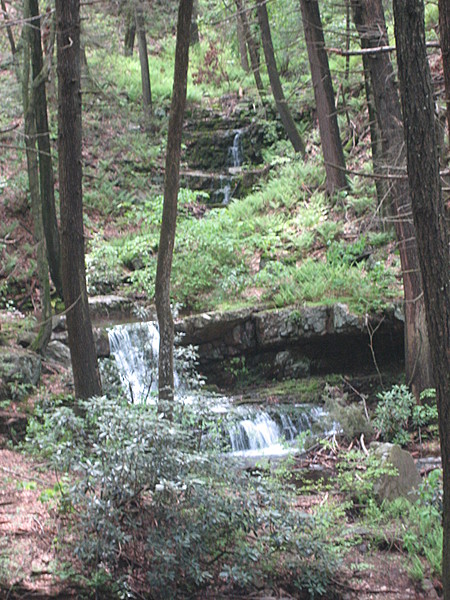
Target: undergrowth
140, 490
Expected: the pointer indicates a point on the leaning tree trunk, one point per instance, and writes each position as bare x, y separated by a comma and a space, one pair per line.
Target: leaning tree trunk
169, 216
252, 49
333, 154
47, 186
29, 106
275, 83
143, 59
81, 341
371, 25
429, 220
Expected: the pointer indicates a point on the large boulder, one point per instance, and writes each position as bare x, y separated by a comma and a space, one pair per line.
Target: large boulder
19, 371
406, 482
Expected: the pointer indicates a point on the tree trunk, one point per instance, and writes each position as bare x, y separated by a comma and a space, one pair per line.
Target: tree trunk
243, 54
375, 145
252, 49
429, 219
81, 340
169, 217
333, 153
28, 99
371, 25
275, 83
143, 59
130, 32
47, 186
194, 35
444, 36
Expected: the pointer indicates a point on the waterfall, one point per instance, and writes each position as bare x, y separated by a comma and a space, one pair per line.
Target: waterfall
234, 162
250, 431
235, 152
262, 434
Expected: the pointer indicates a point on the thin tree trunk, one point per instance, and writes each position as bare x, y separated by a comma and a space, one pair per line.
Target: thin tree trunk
429, 219
47, 186
169, 217
375, 145
275, 83
194, 35
130, 32
243, 54
444, 36
81, 340
28, 99
143, 59
252, 49
371, 25
333, 153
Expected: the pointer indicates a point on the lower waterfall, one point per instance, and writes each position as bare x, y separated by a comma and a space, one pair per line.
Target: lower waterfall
249, 431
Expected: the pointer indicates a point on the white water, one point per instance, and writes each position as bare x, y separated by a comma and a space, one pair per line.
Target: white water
234, 162
252, 431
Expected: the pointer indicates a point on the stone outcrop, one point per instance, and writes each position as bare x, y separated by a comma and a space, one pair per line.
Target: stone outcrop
407, 479
19, 370
293, 342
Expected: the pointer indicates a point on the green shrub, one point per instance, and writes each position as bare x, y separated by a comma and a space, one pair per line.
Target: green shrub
137, 482
397, 414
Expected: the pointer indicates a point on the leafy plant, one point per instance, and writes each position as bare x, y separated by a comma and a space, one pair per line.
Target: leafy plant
139, 483
397, 413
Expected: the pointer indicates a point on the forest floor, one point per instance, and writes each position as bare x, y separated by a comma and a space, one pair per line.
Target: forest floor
34, 564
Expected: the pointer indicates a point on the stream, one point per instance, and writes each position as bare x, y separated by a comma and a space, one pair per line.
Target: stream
249, 431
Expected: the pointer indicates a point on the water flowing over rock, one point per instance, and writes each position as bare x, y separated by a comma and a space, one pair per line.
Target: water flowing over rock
135, 348
249, 431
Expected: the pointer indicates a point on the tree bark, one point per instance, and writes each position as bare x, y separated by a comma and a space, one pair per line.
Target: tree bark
47, 185
275, 83
130, 32
333, 153
81, 340
169, 216
444, 36
243, 54
194, 34
252, 49
29, 110
143, 60
370, 22
429, 219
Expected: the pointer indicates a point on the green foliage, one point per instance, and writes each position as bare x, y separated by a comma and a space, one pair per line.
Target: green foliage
138, 482
397, 413
358, 474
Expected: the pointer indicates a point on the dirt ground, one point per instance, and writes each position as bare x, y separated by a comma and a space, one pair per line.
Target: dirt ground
31, 555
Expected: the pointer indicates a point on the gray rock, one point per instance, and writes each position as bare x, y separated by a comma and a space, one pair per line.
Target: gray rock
19, 369
111, 307
26, 338
343, 319
101, 340
389, 487
58, 352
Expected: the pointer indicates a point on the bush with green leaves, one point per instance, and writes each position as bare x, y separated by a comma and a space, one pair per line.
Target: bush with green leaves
397, 413
139, 489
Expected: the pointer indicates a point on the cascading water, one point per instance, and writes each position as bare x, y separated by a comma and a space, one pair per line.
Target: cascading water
264, 434
251, 432
234, 162
135, 348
